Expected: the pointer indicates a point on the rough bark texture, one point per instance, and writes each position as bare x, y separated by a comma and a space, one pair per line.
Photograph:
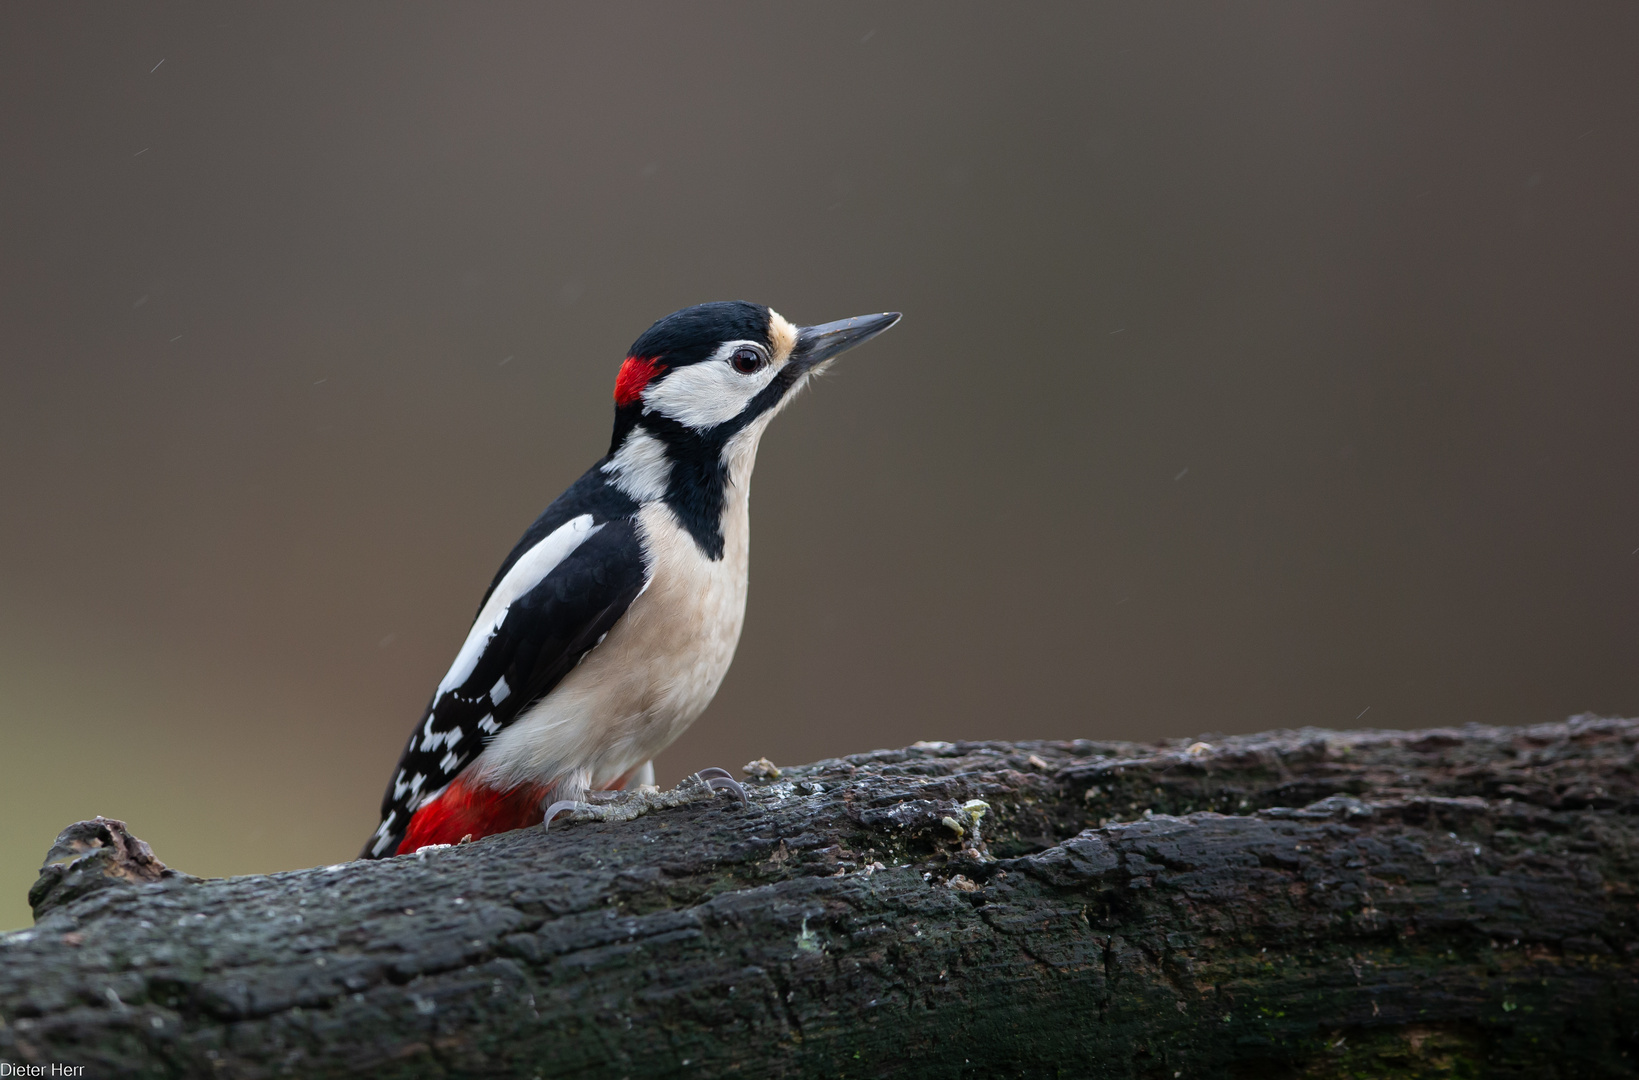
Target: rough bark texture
1299, 904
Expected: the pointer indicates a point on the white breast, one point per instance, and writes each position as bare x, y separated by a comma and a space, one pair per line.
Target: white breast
658, 668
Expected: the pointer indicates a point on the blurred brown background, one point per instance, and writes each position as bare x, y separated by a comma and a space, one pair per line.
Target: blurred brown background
1262, 365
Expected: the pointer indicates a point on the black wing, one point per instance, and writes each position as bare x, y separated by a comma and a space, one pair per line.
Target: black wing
543, 635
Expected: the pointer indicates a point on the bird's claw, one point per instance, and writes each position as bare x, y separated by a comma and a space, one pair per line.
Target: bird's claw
559, 807
719, 780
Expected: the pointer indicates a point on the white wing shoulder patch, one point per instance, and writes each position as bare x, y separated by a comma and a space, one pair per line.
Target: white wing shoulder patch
529, 571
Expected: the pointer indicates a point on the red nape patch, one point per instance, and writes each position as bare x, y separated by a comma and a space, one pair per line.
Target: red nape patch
634, 375
465, 809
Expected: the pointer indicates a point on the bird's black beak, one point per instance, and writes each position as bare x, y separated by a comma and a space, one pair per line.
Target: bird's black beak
817, 344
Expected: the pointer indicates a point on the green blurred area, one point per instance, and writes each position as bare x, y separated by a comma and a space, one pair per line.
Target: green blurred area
216, 788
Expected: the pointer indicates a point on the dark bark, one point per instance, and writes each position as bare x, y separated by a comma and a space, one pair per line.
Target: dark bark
1307, 904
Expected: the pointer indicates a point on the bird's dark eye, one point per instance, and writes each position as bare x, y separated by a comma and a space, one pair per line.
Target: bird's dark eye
747, 360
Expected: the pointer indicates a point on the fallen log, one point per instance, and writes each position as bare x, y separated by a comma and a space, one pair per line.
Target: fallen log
1304, 903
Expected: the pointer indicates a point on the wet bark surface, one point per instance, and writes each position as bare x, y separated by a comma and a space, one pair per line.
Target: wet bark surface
1455, 902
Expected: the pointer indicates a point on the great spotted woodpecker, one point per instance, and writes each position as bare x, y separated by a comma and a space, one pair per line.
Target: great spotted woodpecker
611, 624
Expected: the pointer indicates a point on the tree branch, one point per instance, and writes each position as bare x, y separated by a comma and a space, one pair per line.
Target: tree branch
1306, 903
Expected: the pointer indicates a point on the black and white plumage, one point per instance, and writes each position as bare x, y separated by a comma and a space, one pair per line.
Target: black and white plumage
611, 624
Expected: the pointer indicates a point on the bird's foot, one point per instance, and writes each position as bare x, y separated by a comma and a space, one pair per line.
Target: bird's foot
628, 805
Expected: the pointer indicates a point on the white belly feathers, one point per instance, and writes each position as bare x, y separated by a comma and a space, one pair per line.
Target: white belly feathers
654, 673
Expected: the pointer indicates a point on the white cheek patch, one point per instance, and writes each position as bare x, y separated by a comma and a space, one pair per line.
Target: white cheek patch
709, 393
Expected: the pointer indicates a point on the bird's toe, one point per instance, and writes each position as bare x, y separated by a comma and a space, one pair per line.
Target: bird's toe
719, 780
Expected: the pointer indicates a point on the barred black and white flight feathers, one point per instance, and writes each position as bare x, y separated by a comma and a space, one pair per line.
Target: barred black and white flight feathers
566, 583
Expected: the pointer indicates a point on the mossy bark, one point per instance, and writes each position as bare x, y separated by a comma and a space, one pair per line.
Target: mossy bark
1297, 904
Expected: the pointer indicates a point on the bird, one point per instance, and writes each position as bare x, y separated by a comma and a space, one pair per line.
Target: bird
609, 627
